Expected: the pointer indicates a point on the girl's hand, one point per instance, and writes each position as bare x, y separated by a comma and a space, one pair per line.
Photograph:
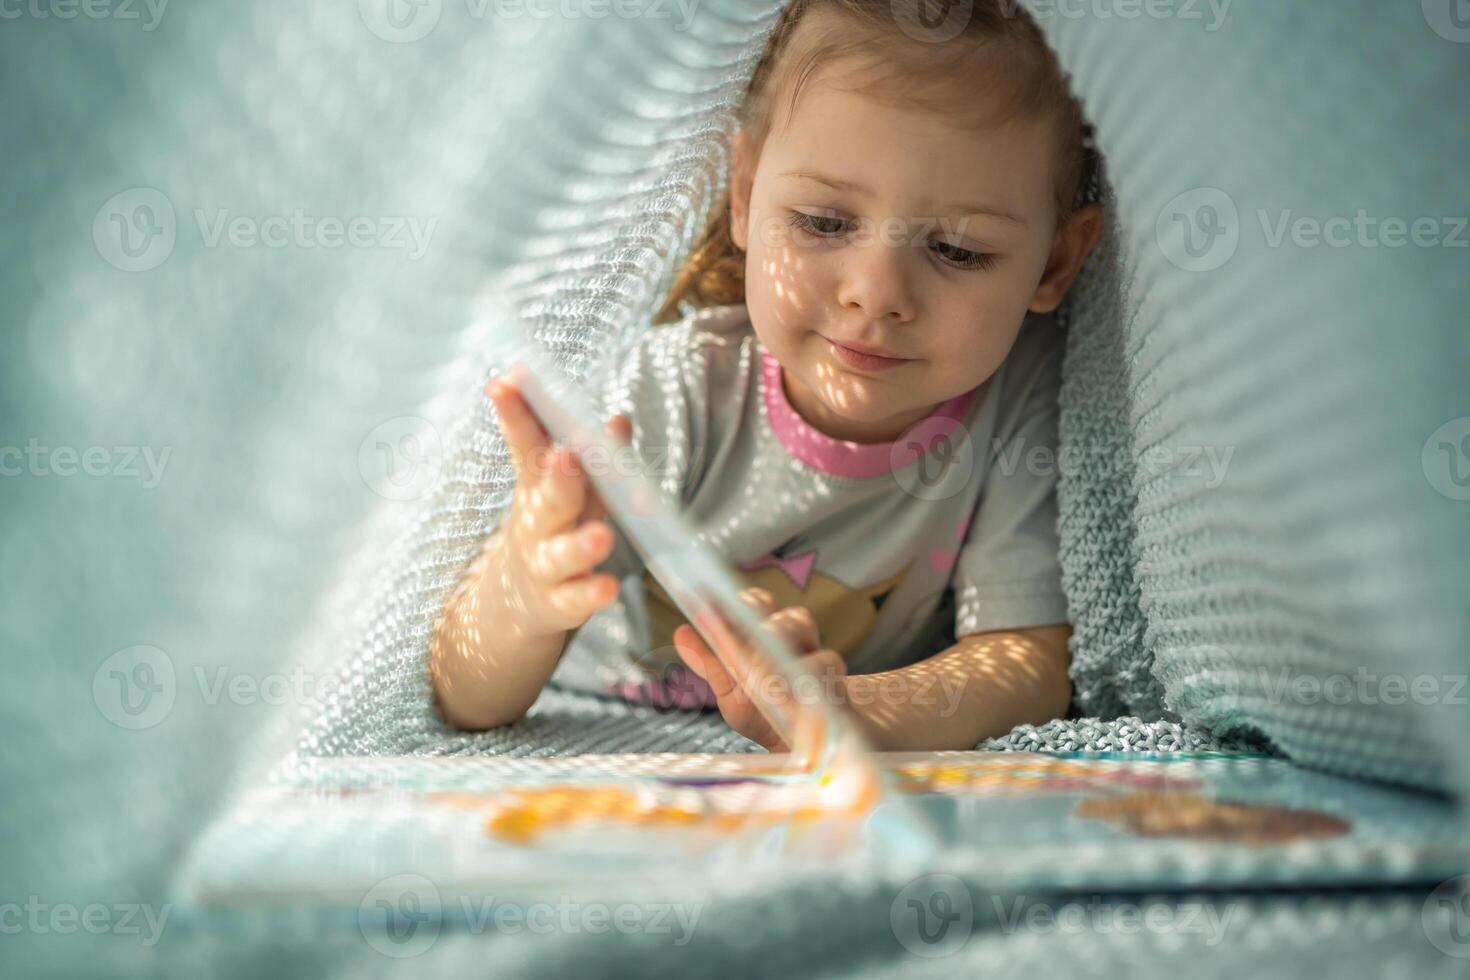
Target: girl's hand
738, 700
554, 534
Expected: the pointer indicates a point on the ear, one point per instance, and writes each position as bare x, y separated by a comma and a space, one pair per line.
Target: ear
1074, 241
742, 177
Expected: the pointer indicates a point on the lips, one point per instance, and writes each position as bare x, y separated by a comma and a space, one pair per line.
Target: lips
864, 357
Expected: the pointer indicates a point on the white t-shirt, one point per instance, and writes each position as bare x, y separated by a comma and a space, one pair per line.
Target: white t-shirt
888, 545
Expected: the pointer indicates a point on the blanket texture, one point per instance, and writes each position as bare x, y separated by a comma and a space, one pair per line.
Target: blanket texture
1246, 531
1264, 392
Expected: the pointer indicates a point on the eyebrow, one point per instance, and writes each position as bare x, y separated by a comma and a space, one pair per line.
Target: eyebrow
847, 185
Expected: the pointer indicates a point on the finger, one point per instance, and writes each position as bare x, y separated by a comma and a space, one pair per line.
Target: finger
736, 703
798, 627
551, 479
692, 657
741, 713
749, 668
701, 659
827, 659
759, 599
620, 431
579, 598
593, 510
620, 428
558, 490
570, 554
828, 667
523, 432
726, 641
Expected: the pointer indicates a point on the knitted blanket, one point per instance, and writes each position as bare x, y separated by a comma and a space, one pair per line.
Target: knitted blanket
1263, 521
1245, 529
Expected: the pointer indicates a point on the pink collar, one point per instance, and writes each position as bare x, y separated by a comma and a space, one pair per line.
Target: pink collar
855, 460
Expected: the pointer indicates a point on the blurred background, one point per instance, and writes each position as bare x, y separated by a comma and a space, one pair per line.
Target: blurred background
239, 250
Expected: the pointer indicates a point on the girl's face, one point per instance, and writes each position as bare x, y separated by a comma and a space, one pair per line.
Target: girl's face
886, 228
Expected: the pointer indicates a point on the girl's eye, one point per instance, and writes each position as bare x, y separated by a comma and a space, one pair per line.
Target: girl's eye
964, 258
827, 227
817, 224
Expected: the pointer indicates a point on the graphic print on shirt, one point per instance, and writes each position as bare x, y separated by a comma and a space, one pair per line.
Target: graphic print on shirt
844, 615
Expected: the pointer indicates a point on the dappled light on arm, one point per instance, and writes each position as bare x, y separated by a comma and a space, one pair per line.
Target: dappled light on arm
981, 687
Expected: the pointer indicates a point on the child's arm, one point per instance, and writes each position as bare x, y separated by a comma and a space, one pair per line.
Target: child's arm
982, 687
504, 628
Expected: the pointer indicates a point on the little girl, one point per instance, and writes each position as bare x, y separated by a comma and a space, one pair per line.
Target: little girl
855, 404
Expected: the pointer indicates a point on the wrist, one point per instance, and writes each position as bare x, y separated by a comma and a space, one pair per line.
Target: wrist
858, 695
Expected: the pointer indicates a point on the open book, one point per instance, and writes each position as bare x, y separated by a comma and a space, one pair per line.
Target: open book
366, 832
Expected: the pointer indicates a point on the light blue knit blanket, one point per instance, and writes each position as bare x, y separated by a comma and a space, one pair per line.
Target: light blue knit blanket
1264, 528
1247, 524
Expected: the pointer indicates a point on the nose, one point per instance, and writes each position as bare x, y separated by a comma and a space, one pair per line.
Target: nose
875, 284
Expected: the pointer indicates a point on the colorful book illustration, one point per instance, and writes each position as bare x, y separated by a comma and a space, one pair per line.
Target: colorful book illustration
332, 831
638, 825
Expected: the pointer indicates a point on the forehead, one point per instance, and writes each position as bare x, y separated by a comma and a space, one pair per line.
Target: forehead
910, 156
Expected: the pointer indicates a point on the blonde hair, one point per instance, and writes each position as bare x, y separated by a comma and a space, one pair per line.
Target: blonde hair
999, 46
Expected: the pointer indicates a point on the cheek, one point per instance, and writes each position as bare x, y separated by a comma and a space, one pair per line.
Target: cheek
976, 336
784, 284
